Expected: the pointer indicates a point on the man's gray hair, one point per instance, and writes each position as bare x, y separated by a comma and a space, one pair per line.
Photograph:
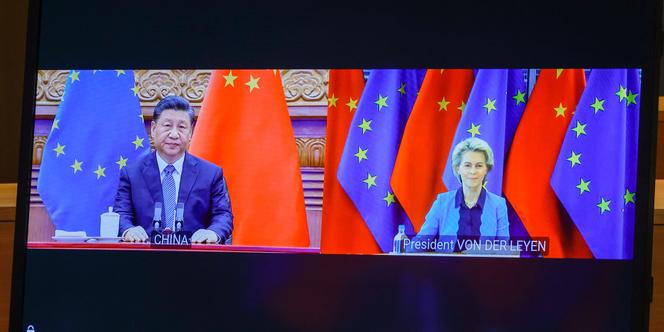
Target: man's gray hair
471, 144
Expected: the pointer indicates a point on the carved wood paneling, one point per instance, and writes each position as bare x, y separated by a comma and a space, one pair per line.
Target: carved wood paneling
302, 87
305, 87
38, 149
311, 151
50, 86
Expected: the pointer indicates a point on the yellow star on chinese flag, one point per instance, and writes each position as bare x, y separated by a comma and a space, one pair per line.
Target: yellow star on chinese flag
230, 79
332, 101
253, 83
352, 104
560, 110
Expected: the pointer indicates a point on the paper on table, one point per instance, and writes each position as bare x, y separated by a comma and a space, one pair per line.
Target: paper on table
60, 233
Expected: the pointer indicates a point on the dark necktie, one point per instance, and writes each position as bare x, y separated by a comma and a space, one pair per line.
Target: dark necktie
168, 189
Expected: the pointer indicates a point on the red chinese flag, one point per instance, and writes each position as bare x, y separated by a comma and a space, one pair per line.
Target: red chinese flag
343, 230
533, 156
244, 127
418, 170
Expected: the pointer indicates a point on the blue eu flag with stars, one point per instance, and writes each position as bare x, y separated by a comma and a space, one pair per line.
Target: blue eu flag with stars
371, 148
493, 111
98, 129
595, 174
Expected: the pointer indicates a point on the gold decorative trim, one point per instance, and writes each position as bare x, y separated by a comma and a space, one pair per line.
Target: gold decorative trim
302, 87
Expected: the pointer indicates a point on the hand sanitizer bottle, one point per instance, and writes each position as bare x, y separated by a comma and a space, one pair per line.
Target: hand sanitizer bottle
399, 244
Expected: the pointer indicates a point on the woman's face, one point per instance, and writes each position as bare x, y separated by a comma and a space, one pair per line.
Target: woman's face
472, 169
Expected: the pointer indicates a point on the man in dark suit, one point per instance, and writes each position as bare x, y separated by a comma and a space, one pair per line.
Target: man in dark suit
171, 175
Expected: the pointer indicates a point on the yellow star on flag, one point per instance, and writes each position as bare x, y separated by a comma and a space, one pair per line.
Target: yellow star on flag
381, 102
56, 122
120, 72
559, 72
462, 107
230, 79
580, 129
253, 83
490, 105
60, 149
574, 159
519, 97
629, 197
332, 101
77, 166
74, 76
442, 104
138, 142
370, 180
583, 186
560, 110
604, 206
389, 198
622, 93
352, 104
402, 89
474, 129
122, 162
361, 154
366, 125
136, 89
100, 171
598, 105
631, 98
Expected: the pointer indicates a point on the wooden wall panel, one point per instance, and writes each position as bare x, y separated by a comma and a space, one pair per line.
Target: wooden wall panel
657, 306
6, 251
659, 165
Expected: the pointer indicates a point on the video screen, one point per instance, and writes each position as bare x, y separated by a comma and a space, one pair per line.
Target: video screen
505, 163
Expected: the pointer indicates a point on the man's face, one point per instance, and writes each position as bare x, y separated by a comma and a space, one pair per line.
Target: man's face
171, 134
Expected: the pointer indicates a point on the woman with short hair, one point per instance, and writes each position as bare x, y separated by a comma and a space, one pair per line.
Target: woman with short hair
470, 211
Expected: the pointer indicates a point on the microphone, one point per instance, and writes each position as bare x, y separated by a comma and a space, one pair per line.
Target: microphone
179, 217
156, 219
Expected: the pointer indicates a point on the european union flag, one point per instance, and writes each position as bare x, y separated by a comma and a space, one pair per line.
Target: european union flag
371, 147
494, 108
97, 130
595, 174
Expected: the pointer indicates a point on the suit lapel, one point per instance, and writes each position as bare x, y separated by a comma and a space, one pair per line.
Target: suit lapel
188, 177
152, 178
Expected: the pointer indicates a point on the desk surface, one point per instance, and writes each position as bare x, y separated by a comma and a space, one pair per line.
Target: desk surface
148, 246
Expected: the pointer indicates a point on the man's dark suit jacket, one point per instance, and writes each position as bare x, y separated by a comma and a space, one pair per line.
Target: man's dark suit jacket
202, 190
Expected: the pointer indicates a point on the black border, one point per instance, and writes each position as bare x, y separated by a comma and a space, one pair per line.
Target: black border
24, 174
645, 54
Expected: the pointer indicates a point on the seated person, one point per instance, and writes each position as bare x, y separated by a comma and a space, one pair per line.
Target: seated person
170, 175
470, 212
